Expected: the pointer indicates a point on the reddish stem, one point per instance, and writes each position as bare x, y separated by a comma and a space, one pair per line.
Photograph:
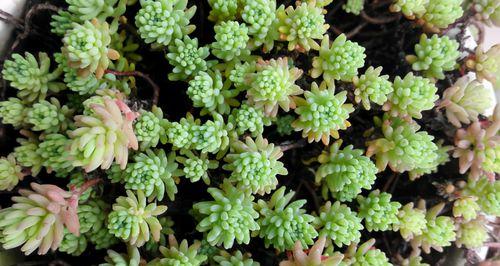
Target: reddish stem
156, 89
88, 184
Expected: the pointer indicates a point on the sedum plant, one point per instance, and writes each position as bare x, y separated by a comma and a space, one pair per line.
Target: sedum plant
282, 222
365, 254
322, 113
223, 10
465, 101
154, 173
32, 77
466, 207
410, 8
345, 172
161, 22
132, 258
378, 211
134, 220
263, 24
273, 86
54, 152
208, 91
486, 64
229, 218
177, 255
434, 55
472, 234
302, 25
10, 173
26, 153
402, 146
411, 221
354, 6
49, 117
187, 58
254, 165
100, 9
38, 218
103, 136
284, 124
313, 256
237, 258
372, 87
148, 127
13, 112
248, 118
86, 47
231, 41
488, 11
411, 95
487, 194
339, 60
196, 167
72, 244
441, 13
339, 224
439, 230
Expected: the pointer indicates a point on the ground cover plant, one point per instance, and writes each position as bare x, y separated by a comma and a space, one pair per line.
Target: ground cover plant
250, 132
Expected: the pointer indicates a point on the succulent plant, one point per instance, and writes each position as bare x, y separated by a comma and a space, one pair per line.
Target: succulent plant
402, 146
284, 124
439, 231
372, 87
313, 257
177, 255
77, 179
26, 154
153, 172
103, 239
441, 13
231, 41
134, 220
72, 244
100, 9
440, 157
260, 17
92, 216
273, 86
148, 127
411, 221
166, 229
475, 149
466, 207
411, 95
84, 85
365, 254
10, 172
434, 56
32, 78
196, 167
181, 134
238, 74
378, 211
61, 22
354, 6
254, 165
339, 60
187, 58
487, 193
300, 26
486, 64
223, 10
38, 219
488, 11
212, 136
86, 47
235, 259
104, 136
248, 118
13, 111
54, 152
161, 22
132, 258
410, 8
465, 101
413, 260
322, 113
345, 172
229, 217
282, 222
472, 234
48, 116
208, 91
338, 223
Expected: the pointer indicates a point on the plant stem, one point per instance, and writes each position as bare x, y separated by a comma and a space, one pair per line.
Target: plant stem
382, 20
156, 89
